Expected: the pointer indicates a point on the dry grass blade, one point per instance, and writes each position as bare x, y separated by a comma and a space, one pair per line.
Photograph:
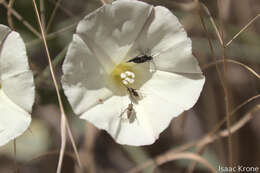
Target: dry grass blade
210, 42
57, 5
67, 12
63, 131
243, 29
224, 133
225, 85
9, 14
42, 12
74, 146
185, 155
213, 23
46, 72
200, 149
15, 154
233, 62
20, 18
223, 81
238, 125
63, 116
202, 140
52, 35
63, 143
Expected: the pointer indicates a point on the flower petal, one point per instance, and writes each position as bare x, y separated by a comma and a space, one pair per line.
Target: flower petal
20, 89
84, 77
166, 40
4, 30
13, 120
111, 30
13, 58
107, 116
174, 93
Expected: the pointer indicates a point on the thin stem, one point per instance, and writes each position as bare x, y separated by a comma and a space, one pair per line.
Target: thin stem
243, 29
67, 12
210, 137
64, 122
57, 5
9, 14
52, 35
42, 12
184, 155
213, 23
233, 62
46, 72
209, 40
15, 157
226, 97
201, 146
20, 18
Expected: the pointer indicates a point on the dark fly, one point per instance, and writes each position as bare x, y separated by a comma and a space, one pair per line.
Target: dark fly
133, 92
141, 59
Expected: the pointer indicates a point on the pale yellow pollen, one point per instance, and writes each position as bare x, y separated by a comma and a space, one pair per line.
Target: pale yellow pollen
123, 74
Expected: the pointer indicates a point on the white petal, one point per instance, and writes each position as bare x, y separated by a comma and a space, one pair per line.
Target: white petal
84, 77
111, 30
174, 93
13, 120
20, 89
17, 87
4, 30
107, 117
166, 40
13, 58
178, 59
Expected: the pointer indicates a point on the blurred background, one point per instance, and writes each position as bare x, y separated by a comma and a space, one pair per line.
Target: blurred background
37, 150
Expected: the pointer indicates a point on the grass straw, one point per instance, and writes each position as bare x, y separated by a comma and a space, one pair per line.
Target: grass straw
64, 122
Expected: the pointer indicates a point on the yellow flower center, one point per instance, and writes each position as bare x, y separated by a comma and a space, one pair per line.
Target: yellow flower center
127, 76
124, 74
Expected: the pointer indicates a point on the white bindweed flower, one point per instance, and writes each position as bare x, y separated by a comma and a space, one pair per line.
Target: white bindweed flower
17, 87
133, 102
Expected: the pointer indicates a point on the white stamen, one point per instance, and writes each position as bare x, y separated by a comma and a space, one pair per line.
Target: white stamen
127, 73
132, 75
125, 82
123, 75
128, 77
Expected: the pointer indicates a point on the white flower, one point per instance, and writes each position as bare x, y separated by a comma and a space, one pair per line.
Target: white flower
17, 87
97, 75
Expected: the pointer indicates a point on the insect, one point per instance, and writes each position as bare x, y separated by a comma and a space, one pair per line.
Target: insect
130, 113
141, 59
133, 92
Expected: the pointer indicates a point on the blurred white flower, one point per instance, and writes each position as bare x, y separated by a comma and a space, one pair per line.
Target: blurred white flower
17, 87
133, 102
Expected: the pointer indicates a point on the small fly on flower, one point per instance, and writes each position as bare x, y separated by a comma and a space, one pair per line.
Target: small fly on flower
130, 113
133, 92
143, 58
135, 95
